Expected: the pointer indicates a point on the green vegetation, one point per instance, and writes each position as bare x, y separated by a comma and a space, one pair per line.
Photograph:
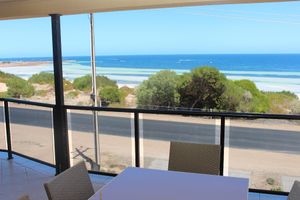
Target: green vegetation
5, 76
124, 92
110, 94
48, 78
232, 97
283, 102
202, 88
159, 90
208, 89
253, 100
84, 83
4, 95
270, 181
106, 88
277, 189
18, 87
68, 85
42, 78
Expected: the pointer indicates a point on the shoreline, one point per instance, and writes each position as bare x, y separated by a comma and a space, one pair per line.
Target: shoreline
22, 63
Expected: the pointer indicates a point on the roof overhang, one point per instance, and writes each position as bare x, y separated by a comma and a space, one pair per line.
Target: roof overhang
16, 9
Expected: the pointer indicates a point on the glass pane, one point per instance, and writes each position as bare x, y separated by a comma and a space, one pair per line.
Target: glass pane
32, 131
264, 150
158, 130
2, 128
115, 140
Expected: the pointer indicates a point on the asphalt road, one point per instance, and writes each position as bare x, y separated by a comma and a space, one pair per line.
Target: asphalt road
246, 138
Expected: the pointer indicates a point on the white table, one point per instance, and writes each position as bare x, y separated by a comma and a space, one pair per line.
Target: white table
146, 184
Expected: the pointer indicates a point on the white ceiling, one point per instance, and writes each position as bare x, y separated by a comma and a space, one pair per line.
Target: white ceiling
15, 9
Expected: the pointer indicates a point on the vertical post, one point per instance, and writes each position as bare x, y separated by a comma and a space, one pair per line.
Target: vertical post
59, 112
7, 127
137, 139
94, 95
222, 143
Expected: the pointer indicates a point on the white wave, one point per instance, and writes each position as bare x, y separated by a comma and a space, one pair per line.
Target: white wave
262, 73
128, 85
128, 78
267, 79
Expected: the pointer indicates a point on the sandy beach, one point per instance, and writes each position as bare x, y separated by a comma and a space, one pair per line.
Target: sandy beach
23, 63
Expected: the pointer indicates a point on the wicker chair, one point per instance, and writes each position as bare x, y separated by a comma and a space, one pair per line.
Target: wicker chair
25, 197
74, 183
196, 158
295, 191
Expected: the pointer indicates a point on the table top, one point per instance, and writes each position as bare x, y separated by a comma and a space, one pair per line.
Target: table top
148, 184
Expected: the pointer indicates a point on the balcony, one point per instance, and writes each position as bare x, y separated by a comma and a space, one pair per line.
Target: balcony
40, 140
24, 176
27, 176
260, 147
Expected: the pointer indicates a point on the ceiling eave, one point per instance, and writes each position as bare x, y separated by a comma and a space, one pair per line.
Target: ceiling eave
18, 9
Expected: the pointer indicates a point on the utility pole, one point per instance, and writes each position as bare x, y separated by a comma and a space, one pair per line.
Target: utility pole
94, 94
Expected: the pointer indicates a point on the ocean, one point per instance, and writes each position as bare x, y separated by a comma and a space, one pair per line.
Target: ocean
270, 72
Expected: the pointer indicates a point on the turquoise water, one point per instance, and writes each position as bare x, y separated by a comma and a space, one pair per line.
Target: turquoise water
270, 72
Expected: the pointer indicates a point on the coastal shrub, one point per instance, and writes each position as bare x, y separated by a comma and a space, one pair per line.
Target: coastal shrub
5, 76
202, 88
295, 107
257, 104
48, 78
68, 85
124, 92
159, 90
283, 102
232, 97
42, 78
84, 83
253, 99
110, 94
248, 85
18, 87
4, 95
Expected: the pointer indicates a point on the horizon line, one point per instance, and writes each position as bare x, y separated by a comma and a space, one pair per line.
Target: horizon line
109, 55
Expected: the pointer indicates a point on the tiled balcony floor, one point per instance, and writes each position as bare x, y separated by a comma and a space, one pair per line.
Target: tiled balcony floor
22, 176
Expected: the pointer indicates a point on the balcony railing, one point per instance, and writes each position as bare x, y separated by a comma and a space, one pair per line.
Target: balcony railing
262, 147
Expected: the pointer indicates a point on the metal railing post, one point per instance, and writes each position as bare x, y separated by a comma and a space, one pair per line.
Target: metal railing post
222, 143
137, 139
7, 127
62, 158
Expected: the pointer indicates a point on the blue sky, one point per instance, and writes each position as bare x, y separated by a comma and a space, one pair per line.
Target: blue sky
246, 28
